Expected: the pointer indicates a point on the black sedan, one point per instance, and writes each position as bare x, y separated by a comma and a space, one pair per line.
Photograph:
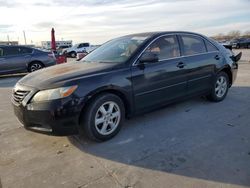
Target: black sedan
125, 76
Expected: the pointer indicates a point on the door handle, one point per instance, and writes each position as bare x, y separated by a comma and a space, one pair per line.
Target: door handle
217, 57
181, 65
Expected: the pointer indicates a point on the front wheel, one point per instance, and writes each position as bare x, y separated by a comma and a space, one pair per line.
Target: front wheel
73, 54
220, 87
103, 117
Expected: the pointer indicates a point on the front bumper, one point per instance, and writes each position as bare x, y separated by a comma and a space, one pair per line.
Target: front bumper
57, 117
234, 74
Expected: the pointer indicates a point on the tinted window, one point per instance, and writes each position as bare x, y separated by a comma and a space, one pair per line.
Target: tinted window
166, 47
210, 47
11, 51
193, 45
80, 46
24, 50
83, 45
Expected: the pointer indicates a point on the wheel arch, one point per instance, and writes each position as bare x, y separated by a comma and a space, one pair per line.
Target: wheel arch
227, 70
113, 90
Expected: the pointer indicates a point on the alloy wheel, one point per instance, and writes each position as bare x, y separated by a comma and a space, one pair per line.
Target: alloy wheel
221, 86
107, 118
35, 66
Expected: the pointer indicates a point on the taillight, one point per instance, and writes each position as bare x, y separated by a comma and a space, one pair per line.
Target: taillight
52, 55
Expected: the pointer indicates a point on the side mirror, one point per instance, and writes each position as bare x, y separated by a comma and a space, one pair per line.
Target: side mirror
148, 57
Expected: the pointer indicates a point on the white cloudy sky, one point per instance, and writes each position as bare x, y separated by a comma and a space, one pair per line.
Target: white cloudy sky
99, 20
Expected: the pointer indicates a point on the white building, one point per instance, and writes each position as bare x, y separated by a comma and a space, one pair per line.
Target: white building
65, 43
8, 42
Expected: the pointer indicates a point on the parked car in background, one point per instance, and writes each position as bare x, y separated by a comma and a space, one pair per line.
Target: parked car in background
18, 59
226, 44
241, 43
62, 47
80, 47
125, 76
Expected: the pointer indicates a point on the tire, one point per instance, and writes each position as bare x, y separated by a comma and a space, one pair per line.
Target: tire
34, 66
98, 122
220, 87
248, 46
73, 54
237, 46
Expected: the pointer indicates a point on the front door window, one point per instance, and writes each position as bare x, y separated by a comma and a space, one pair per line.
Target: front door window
165, 47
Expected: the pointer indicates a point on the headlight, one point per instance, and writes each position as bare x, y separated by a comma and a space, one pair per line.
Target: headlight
51, 94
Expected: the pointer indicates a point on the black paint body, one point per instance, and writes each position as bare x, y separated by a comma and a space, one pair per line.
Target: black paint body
142, 87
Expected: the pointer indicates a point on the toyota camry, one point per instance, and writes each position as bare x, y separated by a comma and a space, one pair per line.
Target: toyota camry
125, 76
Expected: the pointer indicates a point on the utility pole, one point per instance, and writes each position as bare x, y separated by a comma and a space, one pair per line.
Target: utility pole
24, 37
8, 38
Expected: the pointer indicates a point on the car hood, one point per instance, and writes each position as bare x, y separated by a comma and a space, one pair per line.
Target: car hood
58, 75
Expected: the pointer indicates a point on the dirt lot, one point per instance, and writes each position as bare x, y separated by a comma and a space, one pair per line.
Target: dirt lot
190, 144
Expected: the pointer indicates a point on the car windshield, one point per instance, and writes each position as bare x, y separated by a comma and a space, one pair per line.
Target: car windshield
115, 51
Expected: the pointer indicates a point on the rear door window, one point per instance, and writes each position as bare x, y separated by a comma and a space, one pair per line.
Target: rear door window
24, 50
210, 47
192, 45
166, 47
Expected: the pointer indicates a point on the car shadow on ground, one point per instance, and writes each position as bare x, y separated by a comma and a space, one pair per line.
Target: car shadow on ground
195, 138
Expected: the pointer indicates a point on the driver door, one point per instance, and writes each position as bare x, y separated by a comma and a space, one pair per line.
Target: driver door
160, 82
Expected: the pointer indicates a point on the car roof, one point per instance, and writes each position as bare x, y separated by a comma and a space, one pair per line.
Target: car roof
158, 33
15, 46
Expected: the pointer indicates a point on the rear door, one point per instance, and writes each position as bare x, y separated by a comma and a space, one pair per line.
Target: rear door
157, 83
200, 57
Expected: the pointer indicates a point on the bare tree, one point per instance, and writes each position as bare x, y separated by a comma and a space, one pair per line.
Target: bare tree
219, 36
246, 33
234, 34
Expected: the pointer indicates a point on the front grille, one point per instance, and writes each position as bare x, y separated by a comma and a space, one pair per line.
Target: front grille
19, 95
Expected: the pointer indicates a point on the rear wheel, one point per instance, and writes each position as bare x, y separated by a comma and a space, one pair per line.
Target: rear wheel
103, 117
35, 66
220, 87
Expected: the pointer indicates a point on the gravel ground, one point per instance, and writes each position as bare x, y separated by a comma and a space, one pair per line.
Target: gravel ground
245, 54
